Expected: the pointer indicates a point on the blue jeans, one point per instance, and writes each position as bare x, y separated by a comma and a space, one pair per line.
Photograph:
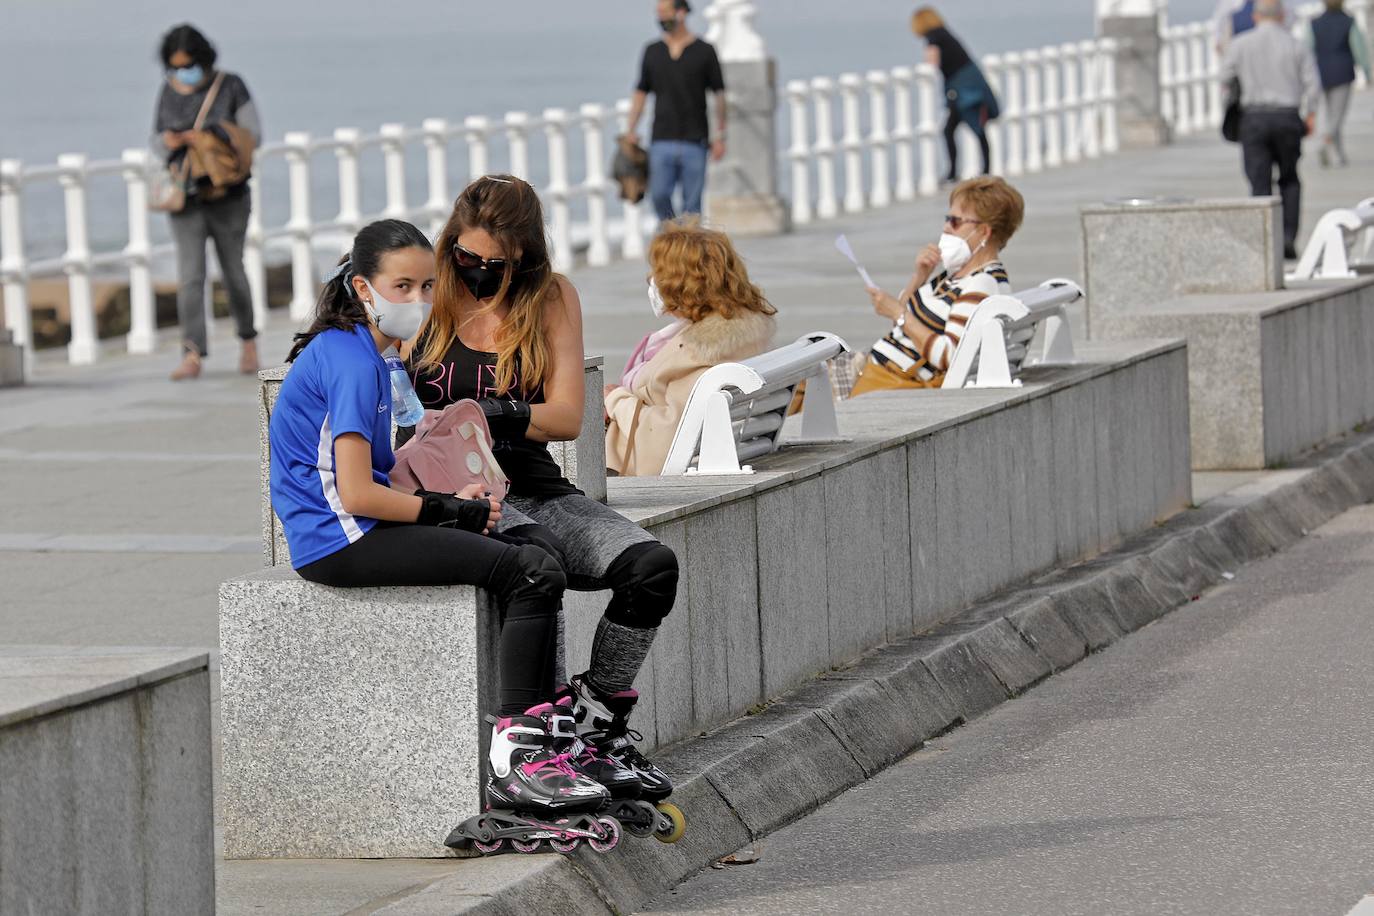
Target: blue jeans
673, 162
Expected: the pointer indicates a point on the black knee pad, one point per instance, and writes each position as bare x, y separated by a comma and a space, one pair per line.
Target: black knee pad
528, 572
644, 579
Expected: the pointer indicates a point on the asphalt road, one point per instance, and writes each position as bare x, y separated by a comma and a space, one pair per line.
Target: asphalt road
1216, 762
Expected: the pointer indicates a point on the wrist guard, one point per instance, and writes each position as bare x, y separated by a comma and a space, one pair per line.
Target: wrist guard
444, 510
508, 420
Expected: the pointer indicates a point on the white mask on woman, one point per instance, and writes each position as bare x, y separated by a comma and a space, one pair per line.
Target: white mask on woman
656, 300
397, 320
955, 253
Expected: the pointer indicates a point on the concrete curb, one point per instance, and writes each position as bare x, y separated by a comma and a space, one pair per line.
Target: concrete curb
764, 771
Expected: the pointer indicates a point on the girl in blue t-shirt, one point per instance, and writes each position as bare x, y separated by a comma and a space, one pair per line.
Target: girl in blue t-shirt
330, 436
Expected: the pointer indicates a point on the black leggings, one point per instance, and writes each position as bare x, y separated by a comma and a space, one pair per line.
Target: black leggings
951, 124
525, 581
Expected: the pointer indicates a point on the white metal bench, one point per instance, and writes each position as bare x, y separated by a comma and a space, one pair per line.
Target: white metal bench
736, 410
997, 341
1340, 234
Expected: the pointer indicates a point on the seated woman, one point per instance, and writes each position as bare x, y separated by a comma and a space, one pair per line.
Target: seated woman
699, 281
950, 279
506, 331
330, 438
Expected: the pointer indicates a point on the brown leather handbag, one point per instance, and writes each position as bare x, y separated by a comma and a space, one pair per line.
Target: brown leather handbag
167, 186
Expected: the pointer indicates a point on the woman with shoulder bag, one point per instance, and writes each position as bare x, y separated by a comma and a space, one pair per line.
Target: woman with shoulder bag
200, 112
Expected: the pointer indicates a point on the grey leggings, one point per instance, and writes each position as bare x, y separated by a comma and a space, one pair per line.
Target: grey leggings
1336, 102
226, 222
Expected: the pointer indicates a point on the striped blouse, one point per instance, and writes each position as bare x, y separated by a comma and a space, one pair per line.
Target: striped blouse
944, 306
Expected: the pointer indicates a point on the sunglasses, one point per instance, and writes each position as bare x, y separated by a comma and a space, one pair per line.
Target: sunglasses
957, 222
469, 259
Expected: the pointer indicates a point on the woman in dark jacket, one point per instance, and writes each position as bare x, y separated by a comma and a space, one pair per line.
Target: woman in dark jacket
1339, 47
189, 61
969, 97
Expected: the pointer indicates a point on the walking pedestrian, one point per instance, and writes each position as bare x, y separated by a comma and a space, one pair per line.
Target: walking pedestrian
969, 97
197, 99
1278, 92
1338, 46
679, 70
1234, 17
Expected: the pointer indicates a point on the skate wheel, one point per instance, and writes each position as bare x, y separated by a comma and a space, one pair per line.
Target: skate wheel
611, 839
565, 846
678, 826
643, 820
487, 849
526, 846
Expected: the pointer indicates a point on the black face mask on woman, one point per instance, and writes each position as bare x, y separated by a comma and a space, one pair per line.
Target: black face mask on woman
482, 282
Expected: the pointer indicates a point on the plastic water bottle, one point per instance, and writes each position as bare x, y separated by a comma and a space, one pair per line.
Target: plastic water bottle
405, 403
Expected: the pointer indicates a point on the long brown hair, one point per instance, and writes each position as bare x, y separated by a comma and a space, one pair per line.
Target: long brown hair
698, 273
508, 209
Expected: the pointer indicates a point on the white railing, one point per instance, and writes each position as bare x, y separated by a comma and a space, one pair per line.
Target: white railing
1058, 106
305, 232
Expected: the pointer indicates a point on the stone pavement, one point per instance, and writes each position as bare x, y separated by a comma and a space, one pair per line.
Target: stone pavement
127, 500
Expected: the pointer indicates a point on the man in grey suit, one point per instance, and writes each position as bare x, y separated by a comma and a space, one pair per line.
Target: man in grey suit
1278, 95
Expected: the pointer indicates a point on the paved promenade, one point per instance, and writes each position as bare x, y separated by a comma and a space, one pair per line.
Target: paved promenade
127, 500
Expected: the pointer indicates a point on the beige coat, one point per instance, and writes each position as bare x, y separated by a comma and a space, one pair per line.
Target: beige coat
643, 420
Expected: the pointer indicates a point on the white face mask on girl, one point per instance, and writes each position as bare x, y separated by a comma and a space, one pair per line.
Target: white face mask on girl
656, 302
397, 320
955, 253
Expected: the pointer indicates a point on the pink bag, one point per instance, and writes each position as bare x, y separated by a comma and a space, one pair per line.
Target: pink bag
450, 450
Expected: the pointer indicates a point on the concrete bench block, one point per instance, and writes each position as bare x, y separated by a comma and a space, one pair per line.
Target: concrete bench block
349, 717
1138, 255
671, 657
105, 782
1270, 375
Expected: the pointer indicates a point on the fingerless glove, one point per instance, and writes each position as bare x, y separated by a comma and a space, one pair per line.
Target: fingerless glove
444, 510
507, 420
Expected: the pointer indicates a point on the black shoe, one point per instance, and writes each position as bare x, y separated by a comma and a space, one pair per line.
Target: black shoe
1290, 253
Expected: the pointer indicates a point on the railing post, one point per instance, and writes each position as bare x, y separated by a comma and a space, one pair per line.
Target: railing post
1013, 114
996, 130
1215, 104
83, 348
827, 204
632, 241
880, 194
13, 266
1108, 48
1087, 53
394, 160
1167, 110
851, 84
926, 77
593, 134
1073, 149
142, 336
902, 133
798, 97
556, 130
350, 218
477, 133
1035, 138
254, 262
1178, 66
436, 167
1054, 107
1359, 9
518, 137
1197, 38
302, 256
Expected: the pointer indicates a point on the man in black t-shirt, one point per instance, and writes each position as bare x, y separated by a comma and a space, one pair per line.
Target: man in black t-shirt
679, 70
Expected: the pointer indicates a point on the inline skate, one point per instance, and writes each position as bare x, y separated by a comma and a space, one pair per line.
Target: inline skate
534, 792
603, 726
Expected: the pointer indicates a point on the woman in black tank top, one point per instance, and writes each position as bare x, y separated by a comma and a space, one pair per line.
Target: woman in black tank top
506, 331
